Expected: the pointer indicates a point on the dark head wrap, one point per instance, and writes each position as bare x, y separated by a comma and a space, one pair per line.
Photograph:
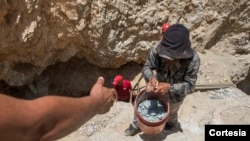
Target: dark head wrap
175, 43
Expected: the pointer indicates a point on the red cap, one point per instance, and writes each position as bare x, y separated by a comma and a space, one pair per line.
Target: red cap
165, 27
118, 78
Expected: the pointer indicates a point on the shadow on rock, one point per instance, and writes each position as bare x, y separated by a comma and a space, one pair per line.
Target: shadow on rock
163, 135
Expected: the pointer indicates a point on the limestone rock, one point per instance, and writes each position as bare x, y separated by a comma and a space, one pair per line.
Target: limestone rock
38, 34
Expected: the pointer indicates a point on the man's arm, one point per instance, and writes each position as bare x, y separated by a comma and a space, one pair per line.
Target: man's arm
51, 117
150, 65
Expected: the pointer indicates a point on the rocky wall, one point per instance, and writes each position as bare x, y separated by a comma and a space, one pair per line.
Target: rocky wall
37, 34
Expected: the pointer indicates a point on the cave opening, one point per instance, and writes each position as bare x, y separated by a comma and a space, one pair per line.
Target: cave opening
73, 78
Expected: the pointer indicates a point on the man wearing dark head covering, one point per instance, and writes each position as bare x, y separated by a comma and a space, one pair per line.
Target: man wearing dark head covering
176, 65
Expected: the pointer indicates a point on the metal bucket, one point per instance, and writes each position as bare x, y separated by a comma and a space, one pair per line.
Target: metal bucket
146, 126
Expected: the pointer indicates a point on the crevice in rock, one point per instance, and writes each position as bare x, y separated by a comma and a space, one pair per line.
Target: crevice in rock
12, 90
244, 84
24, 68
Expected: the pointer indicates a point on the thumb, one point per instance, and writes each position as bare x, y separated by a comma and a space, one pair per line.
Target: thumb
100, 80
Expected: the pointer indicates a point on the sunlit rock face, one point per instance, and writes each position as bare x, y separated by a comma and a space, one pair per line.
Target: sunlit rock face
109, 33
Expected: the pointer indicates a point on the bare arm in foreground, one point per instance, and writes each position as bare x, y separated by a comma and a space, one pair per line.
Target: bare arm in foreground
51, 117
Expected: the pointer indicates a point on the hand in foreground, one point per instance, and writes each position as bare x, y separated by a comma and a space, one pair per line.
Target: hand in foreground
162, 88
104, 96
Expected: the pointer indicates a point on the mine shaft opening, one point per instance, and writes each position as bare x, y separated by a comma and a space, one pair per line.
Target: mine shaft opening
73, 78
